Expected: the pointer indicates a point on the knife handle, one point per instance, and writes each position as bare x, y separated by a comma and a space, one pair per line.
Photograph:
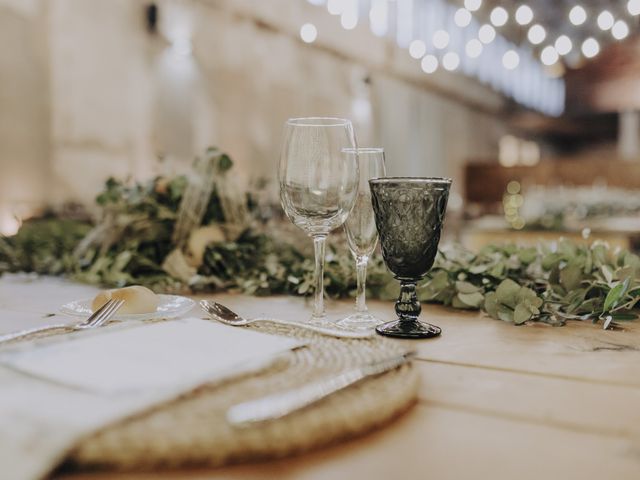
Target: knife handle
282, 404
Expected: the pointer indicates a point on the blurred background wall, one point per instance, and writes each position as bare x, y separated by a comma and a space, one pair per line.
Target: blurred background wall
90, 89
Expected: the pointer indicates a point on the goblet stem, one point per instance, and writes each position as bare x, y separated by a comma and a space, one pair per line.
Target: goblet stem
318, 276
408, 309
407, 306
361, 279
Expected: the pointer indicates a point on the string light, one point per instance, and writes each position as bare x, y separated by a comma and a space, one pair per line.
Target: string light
508, 151
472, 5
633, 7
511, 60
379, 17
524, 15
450, 61
563, 45
540, 90
578, 15
349, 20
429, 63
549, 55
486, 34
620, 30
462, 17
537, 34
499, 16
417, 49
605, 20
308, 32
473, 49
441, 39
590, 47
335, 7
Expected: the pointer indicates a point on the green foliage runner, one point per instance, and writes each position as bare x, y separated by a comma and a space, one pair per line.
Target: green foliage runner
548, 283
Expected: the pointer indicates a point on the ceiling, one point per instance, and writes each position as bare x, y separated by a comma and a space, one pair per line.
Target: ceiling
553, 15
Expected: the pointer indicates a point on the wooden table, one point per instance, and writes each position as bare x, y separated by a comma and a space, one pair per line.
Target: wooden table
616, 231
496, 401
474, 240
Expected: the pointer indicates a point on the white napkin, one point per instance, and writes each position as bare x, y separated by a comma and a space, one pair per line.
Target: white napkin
168, 355
56, 391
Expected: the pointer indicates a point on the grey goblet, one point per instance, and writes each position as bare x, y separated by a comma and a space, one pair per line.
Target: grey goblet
409, 213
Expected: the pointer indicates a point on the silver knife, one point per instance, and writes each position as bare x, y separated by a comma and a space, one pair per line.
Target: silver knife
284, 403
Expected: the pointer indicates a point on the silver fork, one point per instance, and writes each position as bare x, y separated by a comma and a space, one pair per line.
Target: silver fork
98, 318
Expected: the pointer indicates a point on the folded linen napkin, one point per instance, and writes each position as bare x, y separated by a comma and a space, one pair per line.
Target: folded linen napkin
56, 391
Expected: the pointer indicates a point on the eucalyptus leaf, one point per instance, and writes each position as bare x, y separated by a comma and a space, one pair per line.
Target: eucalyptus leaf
505, 314
527, 255
497, 270
551, 260
466, 287
615, 295
507, 292
521, 314
491, 304
571, 276
476, 269
531, 306
607, 273
472, 300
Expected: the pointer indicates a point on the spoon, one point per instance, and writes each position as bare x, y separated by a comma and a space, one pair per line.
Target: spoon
219, 312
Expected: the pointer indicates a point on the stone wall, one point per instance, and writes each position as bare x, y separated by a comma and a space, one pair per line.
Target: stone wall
88, 92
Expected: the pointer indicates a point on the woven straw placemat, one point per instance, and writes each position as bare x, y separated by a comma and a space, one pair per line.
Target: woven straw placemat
192, 429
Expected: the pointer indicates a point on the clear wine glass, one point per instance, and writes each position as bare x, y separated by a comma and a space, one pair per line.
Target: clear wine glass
318, 184
362, 235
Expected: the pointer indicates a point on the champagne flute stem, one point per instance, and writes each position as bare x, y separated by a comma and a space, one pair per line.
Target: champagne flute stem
318, 280
361, 279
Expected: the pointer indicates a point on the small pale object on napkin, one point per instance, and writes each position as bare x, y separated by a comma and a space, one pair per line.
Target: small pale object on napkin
137, 299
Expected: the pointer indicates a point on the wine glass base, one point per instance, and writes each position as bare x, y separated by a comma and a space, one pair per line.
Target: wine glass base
408, 329
359, 321
321, 320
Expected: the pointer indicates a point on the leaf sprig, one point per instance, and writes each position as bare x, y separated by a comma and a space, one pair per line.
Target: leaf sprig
550, 283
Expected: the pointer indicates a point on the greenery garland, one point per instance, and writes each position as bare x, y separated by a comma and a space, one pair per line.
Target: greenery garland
548, 283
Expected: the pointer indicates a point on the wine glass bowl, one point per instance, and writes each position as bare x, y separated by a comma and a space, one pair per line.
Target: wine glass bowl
318, 183
409, 214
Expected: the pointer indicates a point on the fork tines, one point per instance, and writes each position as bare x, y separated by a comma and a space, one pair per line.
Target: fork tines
104, 313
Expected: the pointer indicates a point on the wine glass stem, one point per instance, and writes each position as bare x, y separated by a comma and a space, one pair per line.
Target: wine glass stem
318, 280
361, 279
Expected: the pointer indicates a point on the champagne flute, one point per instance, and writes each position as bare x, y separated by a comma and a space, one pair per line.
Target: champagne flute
318, 184
362, 235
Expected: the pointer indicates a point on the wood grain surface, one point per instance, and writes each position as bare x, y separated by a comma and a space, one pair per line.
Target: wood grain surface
496, 401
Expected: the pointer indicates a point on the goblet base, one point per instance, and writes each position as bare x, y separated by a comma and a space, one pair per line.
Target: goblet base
359, 321
408, 329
